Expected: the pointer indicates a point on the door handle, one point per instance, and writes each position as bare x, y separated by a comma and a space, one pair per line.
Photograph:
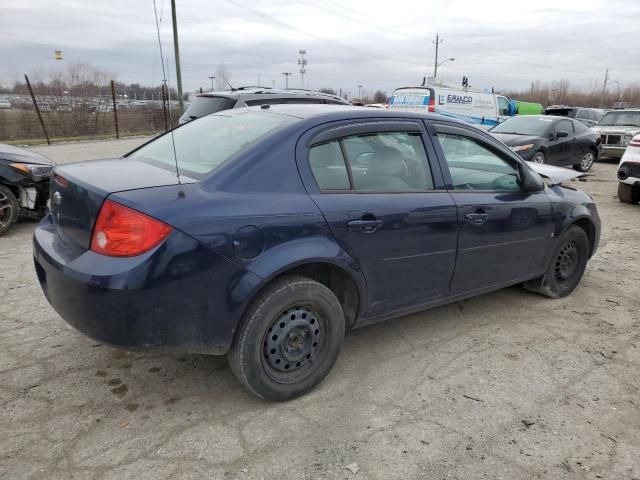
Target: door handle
367, 226
477, 218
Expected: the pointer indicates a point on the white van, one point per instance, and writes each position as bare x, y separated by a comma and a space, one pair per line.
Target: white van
483, 109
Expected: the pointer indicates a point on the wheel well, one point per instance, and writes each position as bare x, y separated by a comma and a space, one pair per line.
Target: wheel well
590, 230
335, 279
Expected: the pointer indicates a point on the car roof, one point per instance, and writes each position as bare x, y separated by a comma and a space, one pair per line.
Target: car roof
340, 112
237, 92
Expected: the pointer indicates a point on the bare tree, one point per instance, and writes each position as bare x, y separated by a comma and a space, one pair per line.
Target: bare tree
330, 91
380, 97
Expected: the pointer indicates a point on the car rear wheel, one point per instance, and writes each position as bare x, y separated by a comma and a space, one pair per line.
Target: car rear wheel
539, 158
8, 209
628, 193
566, 265
289, 339
586, 163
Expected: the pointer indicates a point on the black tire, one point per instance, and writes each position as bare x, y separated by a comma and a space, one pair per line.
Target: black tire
289, 339
587, 162
539, 158
628, 193
566, 265
8, 209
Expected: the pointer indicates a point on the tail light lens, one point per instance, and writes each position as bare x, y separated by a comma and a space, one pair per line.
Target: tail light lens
122, 232
432, 104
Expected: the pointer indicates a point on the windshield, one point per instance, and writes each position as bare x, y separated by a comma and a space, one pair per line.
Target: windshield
202, 106
203, 145
622, 119
524, 126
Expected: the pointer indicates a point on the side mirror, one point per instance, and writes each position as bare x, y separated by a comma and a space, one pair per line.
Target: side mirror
562, 134
530, 180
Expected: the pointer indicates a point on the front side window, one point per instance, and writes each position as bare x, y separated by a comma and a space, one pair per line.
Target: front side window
473, 166
564, 126
503, 106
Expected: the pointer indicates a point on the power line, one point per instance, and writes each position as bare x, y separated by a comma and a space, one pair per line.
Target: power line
319, 37
349, 17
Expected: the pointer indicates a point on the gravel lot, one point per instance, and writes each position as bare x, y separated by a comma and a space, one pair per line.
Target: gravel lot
510, 385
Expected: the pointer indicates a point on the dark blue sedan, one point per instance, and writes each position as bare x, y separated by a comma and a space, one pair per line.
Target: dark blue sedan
265, 233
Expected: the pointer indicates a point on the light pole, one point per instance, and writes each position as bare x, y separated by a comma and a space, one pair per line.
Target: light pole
286, 79
212, 79
359, 87
440, 64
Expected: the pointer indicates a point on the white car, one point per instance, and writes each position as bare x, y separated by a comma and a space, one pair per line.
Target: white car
629, 173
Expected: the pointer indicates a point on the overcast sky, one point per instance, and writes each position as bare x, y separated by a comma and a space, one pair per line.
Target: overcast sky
379, 44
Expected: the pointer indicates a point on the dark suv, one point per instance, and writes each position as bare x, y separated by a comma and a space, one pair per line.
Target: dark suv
213, 102
588, 116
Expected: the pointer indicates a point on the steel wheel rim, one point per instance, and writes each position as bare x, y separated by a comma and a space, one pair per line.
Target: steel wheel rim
293, 343
567, 262
587, 161
6, 210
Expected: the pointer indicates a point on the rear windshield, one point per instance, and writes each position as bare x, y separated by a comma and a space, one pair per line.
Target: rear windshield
202, 106
562, 112
203, 145
622, 119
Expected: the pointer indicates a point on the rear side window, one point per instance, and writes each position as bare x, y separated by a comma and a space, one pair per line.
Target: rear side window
328, 167
374, 163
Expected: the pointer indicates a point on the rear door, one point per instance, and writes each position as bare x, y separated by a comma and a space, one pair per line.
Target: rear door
504, 231
376, 187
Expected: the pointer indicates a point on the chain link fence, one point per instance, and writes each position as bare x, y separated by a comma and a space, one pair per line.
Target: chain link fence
89, 114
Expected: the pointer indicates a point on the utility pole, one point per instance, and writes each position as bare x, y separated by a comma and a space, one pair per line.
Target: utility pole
286, 79
359, 87
212, 79
606, 80
435, 63
177, 55
303, 63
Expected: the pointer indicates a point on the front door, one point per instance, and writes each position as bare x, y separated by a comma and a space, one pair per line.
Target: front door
560, 151
377, 192
503, 230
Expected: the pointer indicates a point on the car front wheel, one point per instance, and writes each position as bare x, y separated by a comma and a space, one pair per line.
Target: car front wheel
626, 193
586, 163
8, 209
566, 265
289, 339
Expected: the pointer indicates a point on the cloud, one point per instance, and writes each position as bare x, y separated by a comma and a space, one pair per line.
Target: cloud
379, 44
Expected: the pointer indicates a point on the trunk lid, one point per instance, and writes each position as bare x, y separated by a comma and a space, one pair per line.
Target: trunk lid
78, 190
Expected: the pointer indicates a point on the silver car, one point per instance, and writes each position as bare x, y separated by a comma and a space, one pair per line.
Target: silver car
616, 129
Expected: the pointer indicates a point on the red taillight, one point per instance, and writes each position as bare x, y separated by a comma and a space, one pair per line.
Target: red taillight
432, 104
122, 232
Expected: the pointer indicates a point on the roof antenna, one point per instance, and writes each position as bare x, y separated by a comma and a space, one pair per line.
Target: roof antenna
424, 80
230, 86
164, 75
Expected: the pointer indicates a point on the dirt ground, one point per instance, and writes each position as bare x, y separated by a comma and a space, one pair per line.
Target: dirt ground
509, 385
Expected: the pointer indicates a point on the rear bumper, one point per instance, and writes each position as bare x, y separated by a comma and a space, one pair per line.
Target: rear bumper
176, 296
